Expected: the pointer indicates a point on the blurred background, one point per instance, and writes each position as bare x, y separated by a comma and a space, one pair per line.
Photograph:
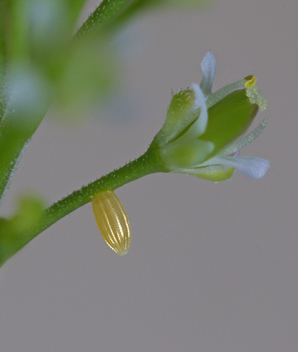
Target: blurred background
211, 267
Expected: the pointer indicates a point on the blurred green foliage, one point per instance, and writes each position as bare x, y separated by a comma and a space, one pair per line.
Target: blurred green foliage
43, 63
27, 215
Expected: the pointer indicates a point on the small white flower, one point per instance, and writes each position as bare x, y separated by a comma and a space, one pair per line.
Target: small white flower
200, 134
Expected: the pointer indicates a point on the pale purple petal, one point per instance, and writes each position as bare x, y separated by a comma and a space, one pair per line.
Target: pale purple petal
249, 166
208, 66
199, 127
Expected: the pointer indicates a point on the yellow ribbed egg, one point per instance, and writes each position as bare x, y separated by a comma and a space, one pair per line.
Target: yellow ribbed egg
112, 221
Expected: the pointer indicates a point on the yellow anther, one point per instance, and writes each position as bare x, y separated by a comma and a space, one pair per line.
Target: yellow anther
251, 81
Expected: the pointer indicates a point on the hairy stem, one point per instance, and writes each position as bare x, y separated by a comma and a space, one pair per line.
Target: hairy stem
146, 164
105, 12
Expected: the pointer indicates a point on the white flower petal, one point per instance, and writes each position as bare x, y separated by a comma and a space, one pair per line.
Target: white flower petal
208, 66
249, 166
199, 127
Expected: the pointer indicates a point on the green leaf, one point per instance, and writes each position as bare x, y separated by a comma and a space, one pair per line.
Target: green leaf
29, 97
28, 213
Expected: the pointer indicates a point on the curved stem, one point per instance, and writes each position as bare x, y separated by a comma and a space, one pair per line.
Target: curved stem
146, 164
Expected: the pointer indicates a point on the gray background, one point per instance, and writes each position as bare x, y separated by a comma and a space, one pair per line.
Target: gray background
212, 267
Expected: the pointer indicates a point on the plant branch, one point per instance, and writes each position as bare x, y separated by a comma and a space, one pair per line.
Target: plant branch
105, 12
146, 164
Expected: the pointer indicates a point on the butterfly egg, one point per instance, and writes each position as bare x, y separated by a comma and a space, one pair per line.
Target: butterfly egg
112, 221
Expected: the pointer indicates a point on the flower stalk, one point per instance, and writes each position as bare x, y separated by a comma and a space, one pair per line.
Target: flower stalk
146, 164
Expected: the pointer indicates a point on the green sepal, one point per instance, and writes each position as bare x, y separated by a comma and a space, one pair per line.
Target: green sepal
181, 113
186, 153
214, 173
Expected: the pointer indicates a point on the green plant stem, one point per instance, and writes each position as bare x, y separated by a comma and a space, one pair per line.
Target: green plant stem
146, 164
105, 13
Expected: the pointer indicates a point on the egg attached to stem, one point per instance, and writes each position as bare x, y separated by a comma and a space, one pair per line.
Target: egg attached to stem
112, 221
